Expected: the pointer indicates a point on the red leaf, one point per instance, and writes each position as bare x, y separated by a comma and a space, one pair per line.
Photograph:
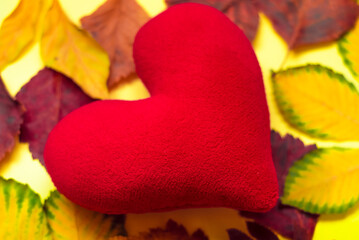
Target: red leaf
303, 22
48, 97
173, 231
287, 221
114, 26
241, 12
235, 234
259, 232
285, 151
10, 120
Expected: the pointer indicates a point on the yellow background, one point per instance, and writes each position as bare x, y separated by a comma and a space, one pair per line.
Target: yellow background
271, 51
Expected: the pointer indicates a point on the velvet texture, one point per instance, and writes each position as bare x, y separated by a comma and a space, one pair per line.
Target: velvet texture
201, 140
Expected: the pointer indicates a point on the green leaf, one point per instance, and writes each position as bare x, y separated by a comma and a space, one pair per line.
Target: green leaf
21, 212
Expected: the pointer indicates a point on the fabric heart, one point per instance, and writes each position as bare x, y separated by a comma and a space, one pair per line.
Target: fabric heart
201, 140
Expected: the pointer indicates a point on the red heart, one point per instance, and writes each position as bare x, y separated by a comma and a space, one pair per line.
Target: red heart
201, 140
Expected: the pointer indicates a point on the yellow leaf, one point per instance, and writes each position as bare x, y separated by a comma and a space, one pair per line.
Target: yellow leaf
69, 221
72, 51
324, 181
318, 102
18, 31
21, 212
349, 49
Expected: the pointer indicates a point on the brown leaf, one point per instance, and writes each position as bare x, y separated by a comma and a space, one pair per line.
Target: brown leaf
241, 12
303, 22
287, 221
114, 26
10, 120
48, 97
173, 231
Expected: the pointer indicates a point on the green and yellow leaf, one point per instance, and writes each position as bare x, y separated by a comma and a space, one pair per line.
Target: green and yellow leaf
318, 102
18, 31
73, 52
349, 50
21, 212
324, 181
70, 221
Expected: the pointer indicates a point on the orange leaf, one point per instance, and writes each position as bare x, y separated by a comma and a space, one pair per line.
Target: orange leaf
114, 25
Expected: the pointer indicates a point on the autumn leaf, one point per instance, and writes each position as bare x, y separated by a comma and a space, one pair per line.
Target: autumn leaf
21, 212
172, 231
318, 102
235, 234
287, 221
286, 151
304, 22
10, 120
241, 12
324, 181
260, 232
18, 30
349, 49
47, 98
114, 25
73, 52
68, 221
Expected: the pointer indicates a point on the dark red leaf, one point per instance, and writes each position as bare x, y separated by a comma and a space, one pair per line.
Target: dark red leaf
285, 151
303, 22
241, 12
287, 221
235, 234
48, 97
10, 120
259, 232
173, 231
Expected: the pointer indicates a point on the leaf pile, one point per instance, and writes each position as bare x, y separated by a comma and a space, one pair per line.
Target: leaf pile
81, 63
298, 22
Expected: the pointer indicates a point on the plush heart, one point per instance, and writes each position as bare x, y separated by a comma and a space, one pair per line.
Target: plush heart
201, 140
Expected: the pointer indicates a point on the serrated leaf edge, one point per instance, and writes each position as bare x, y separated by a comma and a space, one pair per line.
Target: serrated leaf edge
288, 111
307, 206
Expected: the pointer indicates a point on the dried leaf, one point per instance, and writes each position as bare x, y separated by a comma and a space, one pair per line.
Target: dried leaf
318, 102
18, 31
173, 231
10, 120
241, 12
285, 151
21, 212
324, 181
73, 52
68, 221
304, 22
235, 234
114, 25
48, 97
287, 221
259, 232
